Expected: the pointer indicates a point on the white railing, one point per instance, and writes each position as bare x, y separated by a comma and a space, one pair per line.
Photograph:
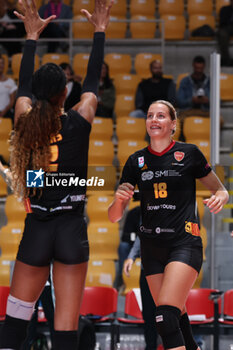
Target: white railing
114, 42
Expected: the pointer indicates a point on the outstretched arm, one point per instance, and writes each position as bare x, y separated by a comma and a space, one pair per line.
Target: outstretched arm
99, 19
34, 25
219, 196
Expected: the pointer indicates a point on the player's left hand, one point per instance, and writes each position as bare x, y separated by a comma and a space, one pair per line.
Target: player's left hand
101, 15
215, 203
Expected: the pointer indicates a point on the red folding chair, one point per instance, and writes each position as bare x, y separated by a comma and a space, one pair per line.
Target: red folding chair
100, 305
132, 309
4, 292
202, 308
132, 319
226, 318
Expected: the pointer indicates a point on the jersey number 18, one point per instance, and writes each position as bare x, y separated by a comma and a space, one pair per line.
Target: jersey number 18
160, 190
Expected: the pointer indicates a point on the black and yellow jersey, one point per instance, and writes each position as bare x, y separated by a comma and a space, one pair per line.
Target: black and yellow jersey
64, 187
167, 187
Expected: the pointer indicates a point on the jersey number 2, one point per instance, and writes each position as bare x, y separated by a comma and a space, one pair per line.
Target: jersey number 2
160, 190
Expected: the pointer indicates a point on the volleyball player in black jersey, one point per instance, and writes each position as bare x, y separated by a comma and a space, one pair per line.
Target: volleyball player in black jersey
47, 139
171, 247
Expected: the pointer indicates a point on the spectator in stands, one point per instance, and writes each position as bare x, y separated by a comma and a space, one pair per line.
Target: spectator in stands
106, 94
194, 90
148, 305
130, 228
225, 32
9, 30
73, 87
8, 89
59, 29
155, 88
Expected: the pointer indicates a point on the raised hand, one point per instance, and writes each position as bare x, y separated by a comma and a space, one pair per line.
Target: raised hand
125, 191
100, 16
33, 23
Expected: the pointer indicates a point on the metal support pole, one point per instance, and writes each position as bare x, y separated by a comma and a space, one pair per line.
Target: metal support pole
214, 142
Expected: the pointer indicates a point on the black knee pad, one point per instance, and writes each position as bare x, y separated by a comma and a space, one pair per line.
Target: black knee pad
64, 340
13, 333
168, 326
186, 330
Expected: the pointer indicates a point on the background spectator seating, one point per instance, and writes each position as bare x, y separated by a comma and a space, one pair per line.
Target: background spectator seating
104, 240
129, 128
106, 172
171, 7
3, 188
124, 105
5, 272
119, 8
82, 4
204, 146
56, 58
126, 83
226, 85
133, 281
142, 63
116, 30
97, 207
198, 20
142, 7
16, 61
80, 61
221, 3
195, 7
142, 30
118, 63
101, 152
174, 27
127, 147
100, 273
196, 127
102, 129
82, 29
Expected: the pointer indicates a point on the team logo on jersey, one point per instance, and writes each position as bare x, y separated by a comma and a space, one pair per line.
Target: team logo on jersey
141, 162
192, 228
35, 178
145, 167
147, 175
179, 156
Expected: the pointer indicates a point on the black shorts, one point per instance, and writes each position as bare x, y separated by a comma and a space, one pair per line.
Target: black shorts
61, 238
155, 258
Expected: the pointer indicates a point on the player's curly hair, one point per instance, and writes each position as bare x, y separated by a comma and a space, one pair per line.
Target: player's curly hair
31, 137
